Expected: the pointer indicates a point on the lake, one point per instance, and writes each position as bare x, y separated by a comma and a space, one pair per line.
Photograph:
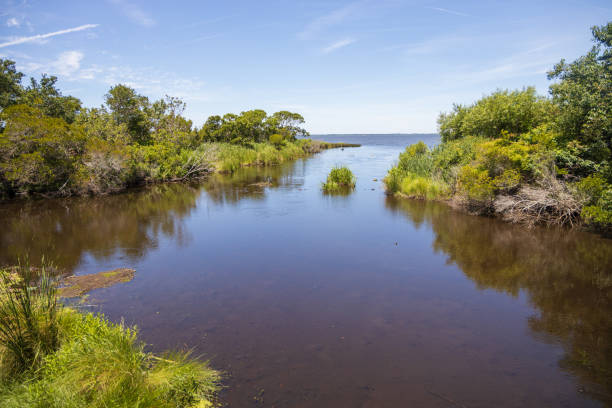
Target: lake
360, 300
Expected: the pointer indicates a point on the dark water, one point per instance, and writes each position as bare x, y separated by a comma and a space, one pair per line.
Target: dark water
310, 300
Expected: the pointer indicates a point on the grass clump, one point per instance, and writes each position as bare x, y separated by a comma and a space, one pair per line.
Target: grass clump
65, 358
338, 179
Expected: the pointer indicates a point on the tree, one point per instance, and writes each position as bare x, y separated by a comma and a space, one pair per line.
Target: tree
584, 96
38, 153
128, 107
10, 83
288, 124
45, 96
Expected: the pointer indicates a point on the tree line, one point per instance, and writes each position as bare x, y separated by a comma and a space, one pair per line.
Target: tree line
51, 144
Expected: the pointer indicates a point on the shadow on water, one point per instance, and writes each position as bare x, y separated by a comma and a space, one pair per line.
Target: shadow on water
567, 277
126, 225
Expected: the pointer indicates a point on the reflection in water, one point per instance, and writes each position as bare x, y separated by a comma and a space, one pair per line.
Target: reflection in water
124, 225
251, 182
64, 230
567, 277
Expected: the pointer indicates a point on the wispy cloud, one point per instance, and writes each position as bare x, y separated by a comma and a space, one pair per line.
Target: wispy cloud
330, 19
12, 22
447, 11
134, 13
337, 45
39, 37
68, 62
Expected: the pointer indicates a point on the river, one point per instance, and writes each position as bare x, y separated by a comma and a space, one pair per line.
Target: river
360, 300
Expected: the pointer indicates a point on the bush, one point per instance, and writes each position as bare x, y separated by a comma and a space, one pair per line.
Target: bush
276, 139
339, 178
38, 153
512, 111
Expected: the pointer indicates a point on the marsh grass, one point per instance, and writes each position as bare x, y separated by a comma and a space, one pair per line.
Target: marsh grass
423, 187
231, 157
339, 179
28, 318
59, 357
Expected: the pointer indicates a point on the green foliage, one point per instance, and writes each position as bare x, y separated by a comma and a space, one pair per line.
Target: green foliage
10, 83
510, 111
597, 195
127, 108
583, 93
423, 187
339, 179
38, 153
252, 126
45, 96
476, 183
28, 319
527, 157
54, 356
416, 159
50, 145
276, 139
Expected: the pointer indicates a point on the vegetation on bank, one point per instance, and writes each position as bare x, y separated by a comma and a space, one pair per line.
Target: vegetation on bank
56, 356
524, 157
339, 179
51, 145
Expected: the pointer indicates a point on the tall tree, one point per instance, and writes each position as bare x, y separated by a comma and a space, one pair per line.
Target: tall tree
45, 96
584, 95
128, 107
10, 83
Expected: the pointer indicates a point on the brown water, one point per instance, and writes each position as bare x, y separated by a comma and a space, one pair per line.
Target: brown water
310, 300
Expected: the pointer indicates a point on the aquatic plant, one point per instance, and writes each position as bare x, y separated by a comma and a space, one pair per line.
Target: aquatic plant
339, 178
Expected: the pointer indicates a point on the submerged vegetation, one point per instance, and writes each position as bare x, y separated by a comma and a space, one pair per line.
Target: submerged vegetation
339, 179
524, 157
56, 356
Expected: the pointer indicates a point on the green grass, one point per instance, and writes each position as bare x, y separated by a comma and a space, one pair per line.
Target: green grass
84, 360
423, 187
339, 178
231, 157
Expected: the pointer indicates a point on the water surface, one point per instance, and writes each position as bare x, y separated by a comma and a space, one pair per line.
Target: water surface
360, 300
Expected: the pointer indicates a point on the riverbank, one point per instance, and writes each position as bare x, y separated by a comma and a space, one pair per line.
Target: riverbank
522, 157
56, 356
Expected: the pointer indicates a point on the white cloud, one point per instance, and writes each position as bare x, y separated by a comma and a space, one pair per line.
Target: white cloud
39, 37
134, 13
337, 45
12, 22
68, 63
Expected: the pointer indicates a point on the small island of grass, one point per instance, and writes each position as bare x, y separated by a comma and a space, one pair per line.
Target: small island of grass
339, 179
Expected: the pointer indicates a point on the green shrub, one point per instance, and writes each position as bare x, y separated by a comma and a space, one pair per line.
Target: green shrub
339, 178
38, 153
416, 159
512, 111
476, 184
276, 139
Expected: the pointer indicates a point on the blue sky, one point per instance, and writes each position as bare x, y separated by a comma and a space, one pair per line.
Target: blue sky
347, 66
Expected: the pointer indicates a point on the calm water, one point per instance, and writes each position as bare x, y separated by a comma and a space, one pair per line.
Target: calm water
311, 300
